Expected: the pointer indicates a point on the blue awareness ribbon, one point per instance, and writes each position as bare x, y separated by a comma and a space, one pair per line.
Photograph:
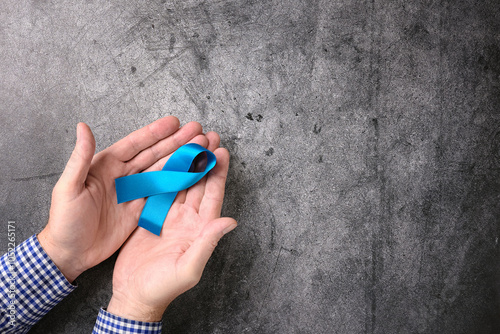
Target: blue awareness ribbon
161, 187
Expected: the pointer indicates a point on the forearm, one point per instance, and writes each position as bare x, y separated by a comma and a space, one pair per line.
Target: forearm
30, 286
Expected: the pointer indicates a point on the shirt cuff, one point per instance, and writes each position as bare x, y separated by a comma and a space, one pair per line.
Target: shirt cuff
32, 283
109, 323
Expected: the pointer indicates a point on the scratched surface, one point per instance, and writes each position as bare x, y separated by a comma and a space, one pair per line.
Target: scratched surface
365, 143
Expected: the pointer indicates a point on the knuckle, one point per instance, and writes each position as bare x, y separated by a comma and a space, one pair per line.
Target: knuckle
191, 278
213, 243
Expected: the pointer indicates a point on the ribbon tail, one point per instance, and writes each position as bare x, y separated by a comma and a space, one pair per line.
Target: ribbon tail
155, 211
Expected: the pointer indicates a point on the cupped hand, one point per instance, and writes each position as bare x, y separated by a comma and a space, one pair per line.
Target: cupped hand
86, 225
152, 271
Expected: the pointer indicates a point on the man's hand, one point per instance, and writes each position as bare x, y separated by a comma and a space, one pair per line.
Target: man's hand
86, 225
152, 271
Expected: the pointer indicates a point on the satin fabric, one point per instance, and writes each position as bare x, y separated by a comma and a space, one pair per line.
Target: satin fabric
161, 187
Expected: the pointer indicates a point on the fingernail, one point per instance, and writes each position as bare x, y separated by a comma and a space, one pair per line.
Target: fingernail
77, 132
229, 228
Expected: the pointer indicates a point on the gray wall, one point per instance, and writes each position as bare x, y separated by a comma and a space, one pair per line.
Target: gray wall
365, 143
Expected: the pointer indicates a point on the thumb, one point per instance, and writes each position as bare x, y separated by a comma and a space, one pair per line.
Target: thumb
196, 257
77, 168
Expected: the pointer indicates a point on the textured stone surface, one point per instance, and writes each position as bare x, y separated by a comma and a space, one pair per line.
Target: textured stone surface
365, 143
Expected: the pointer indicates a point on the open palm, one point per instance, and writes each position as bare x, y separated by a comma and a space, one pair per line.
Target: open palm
151, 270
86, 225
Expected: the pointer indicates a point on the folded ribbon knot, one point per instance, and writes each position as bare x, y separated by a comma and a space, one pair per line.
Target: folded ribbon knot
161, 187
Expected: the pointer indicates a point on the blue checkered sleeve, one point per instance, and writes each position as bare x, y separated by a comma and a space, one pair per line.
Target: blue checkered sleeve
108, 323
30, 286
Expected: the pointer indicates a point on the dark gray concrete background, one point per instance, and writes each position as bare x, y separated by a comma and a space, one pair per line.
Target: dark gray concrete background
365, 143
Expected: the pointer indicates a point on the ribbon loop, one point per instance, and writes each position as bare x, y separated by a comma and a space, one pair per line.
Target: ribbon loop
161, 187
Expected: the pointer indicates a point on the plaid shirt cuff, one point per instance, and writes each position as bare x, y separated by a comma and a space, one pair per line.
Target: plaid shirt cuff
30, 286
112, 324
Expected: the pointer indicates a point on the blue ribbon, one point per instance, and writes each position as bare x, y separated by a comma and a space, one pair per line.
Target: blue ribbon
161, 187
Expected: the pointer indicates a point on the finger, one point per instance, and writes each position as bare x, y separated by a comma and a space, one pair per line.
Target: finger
128, 147
76, 170
211, 204
196, 257
158, 165
194, 194
180, 198
163, 148
213, 140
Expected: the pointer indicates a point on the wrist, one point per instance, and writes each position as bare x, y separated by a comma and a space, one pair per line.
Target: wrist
127, 308
64, 261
